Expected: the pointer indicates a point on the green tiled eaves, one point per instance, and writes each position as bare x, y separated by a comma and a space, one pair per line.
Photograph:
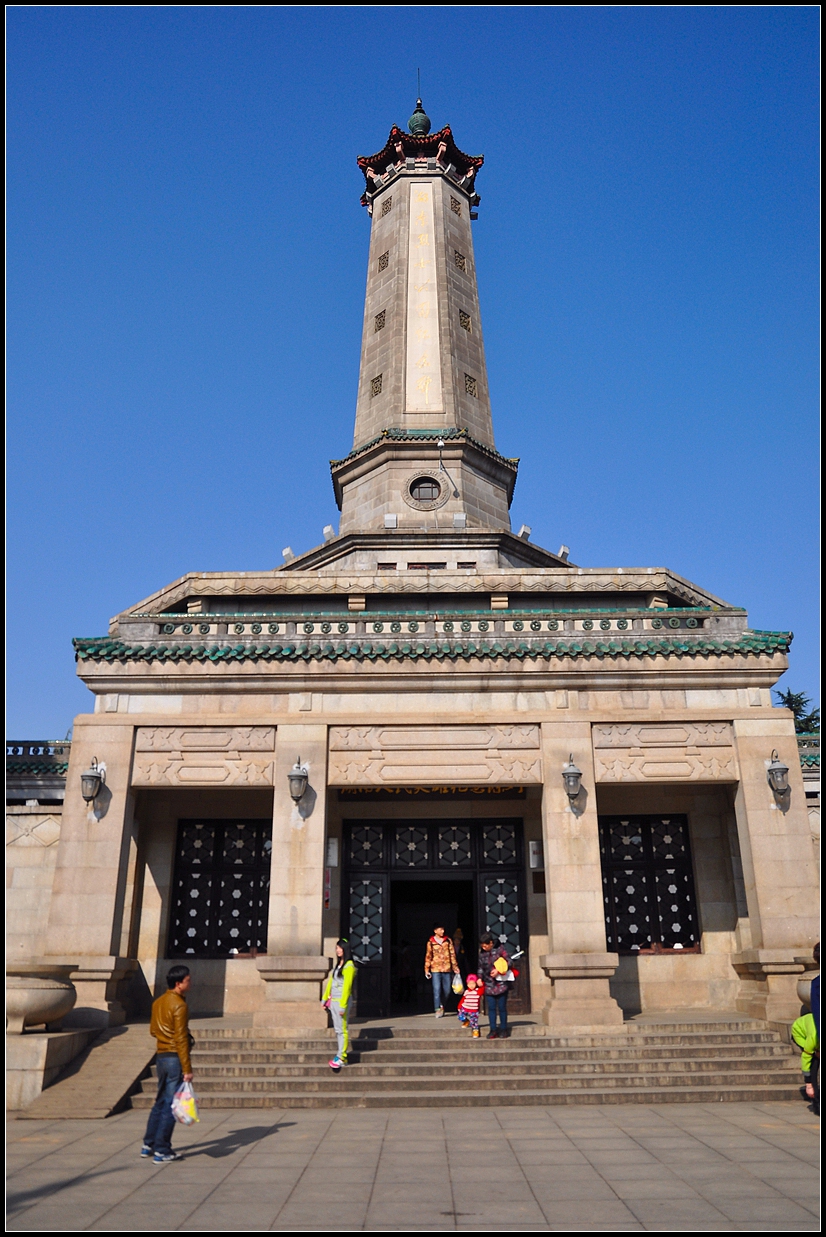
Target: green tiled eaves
426, 649
447, 435
34, 768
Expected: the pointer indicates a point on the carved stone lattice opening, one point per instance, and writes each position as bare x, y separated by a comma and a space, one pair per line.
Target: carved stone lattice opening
379, 320
648, 884
386, 207
221, 888
464, 320
471, 386
455, 206
460, 260
384, 260
375, 385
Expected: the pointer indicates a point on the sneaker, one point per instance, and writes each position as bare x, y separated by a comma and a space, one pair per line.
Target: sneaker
440, 1013
166, 1158
147, 1152
493, 1034
336, 1064
477, 1034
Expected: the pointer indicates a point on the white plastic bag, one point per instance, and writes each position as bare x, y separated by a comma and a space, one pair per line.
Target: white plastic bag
185, 1105
457, 985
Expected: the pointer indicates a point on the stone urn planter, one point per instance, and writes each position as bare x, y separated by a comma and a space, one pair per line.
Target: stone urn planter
38, 993
804, 987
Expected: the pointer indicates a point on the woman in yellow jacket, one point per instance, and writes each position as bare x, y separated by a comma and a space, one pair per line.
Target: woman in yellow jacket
337, 994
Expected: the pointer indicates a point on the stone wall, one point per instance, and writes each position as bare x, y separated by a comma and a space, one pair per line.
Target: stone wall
32, 836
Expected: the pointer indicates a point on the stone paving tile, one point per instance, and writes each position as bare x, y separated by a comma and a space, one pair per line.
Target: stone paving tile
678, 1214
614, 1169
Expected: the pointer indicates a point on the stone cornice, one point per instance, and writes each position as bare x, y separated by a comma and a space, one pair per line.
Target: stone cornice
552, 580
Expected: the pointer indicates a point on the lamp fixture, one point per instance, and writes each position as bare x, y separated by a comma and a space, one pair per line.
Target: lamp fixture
91, 781
778, 775
298, 777
572, 778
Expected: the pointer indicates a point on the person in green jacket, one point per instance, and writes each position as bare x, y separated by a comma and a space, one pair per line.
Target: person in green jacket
804, 1034
337, 994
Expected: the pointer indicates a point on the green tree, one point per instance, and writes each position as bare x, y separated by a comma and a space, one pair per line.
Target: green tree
806, 721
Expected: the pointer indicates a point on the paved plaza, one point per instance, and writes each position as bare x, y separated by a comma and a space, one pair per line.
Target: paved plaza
669, 1168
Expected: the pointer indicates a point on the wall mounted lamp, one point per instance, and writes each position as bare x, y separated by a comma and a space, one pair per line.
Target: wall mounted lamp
778, 775
572, 778
298, 777
91, 781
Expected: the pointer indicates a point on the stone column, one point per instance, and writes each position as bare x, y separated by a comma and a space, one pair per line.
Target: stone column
293, 967
87, 906
579, 966
779, 871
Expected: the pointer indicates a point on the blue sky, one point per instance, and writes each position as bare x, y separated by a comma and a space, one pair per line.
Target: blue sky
187, 261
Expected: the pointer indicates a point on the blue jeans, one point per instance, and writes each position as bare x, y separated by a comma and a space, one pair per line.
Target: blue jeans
441, 981
497, 1006
161, 1122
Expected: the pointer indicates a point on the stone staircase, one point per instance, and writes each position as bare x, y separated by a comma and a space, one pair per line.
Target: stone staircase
443, 1067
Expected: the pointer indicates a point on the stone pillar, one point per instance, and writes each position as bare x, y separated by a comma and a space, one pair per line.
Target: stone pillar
293, 967
87, 906
579, 966
779, 871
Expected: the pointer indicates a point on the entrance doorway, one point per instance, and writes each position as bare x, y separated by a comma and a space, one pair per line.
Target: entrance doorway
400, 876
416, 907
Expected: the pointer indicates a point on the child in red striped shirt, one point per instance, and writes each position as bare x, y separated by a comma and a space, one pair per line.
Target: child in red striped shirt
469, 1005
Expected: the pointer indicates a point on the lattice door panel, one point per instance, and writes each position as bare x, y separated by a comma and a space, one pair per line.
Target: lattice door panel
629, 896
499, 845
410, 848
501, 911
220, 890
367, 920
675, 909
648, 884
454, 846
367, 846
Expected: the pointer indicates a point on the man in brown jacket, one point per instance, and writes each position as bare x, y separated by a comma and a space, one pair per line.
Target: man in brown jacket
170, 1026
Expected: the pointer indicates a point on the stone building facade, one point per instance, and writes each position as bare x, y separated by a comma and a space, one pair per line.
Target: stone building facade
574, 758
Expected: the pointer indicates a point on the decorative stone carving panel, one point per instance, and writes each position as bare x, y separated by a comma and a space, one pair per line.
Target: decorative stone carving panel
204, 756
40, 830
673, 735
434, 755
205, 739
201, 770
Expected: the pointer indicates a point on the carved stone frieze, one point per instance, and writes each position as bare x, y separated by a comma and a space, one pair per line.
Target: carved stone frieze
666, 765
434, 755
378, 739
205, 739
175, 769
671, 734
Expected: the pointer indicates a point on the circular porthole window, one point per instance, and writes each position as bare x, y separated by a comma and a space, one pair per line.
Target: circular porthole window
426, 491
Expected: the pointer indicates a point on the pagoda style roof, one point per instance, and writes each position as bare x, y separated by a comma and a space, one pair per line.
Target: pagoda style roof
401, 147
425, 646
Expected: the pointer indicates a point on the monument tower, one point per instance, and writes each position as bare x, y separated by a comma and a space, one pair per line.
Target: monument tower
424, 470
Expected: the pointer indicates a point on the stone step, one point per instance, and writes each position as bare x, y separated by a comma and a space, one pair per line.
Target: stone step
450, 1037
459, 1055
484, 1098
743, 1026
477, 1069
354, 1078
